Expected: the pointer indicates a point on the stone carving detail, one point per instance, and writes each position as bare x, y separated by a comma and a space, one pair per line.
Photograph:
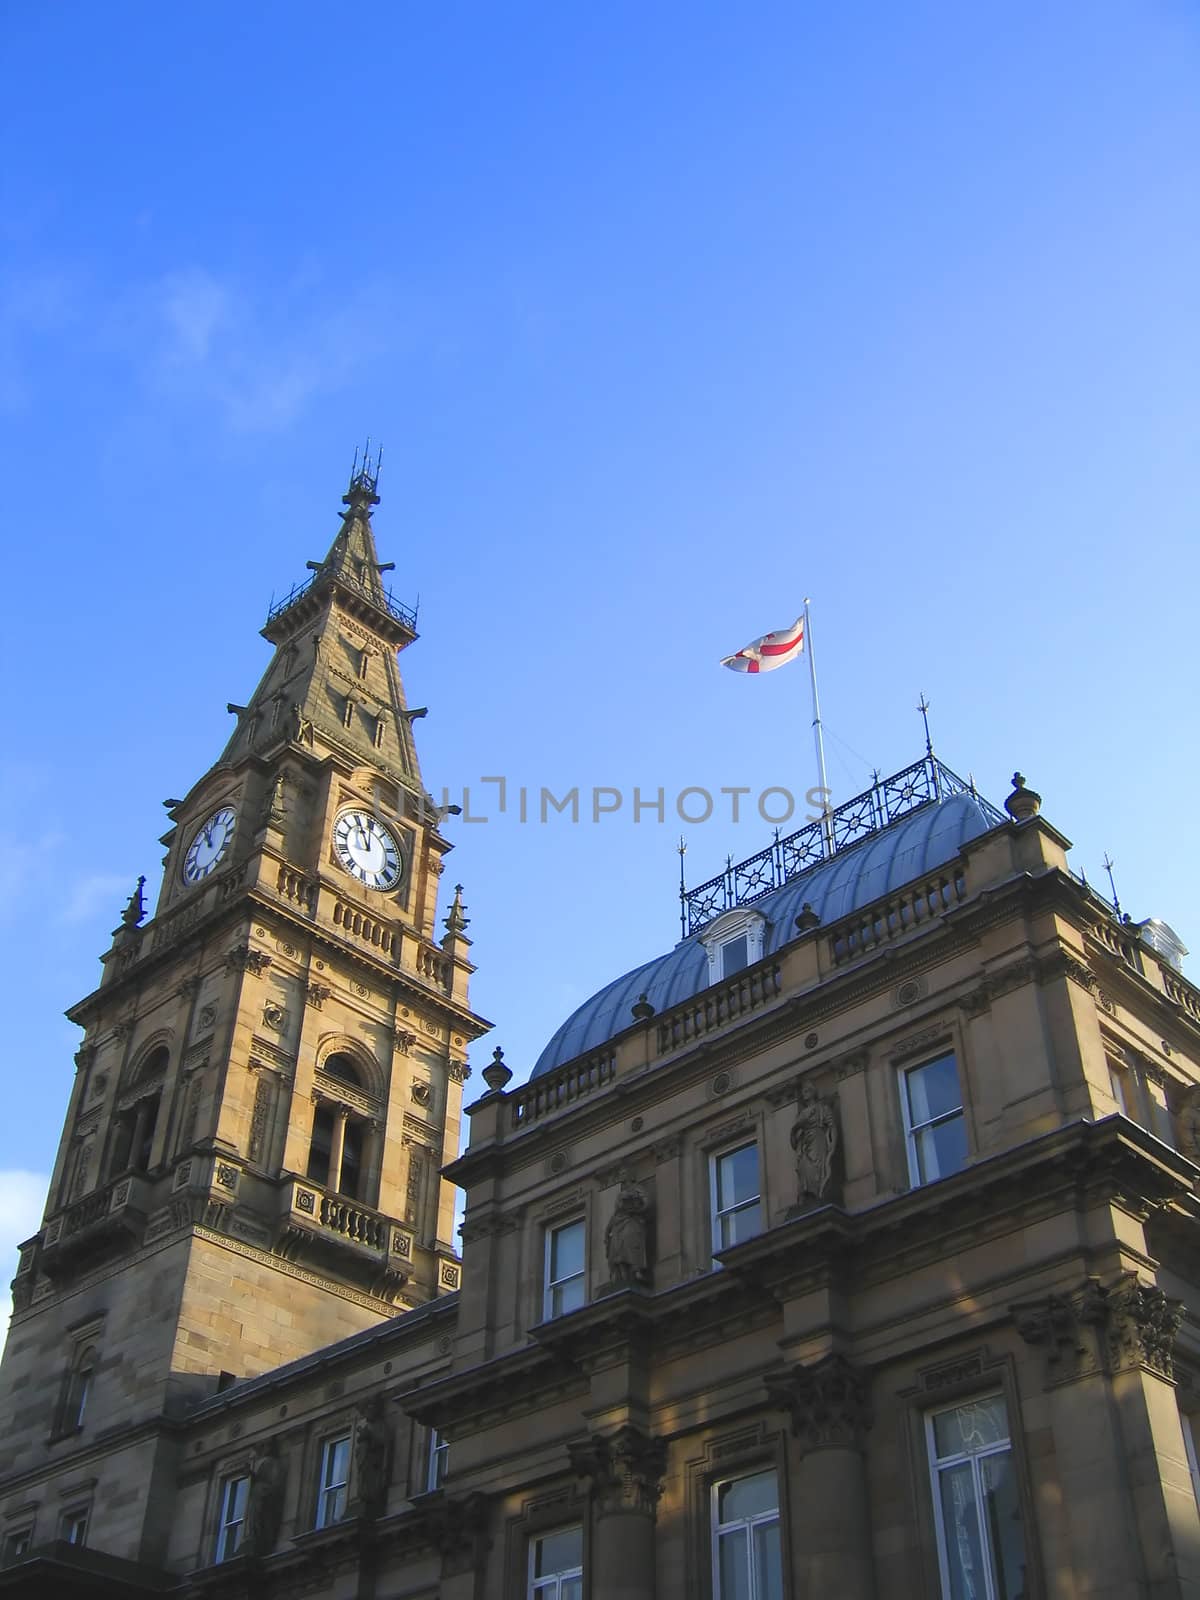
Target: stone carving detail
458, 1529
459, 1071
403, 1039
625, 1245
422, 1093
449, 1275
242, 959
372, 1457
268, 1480
318, 993
1102, 1328
1187, 1124
814, 1138
626, 1470
227, 1176
258, 1117
208, 1015
187, 987
274, 1015
187, 1131
667, 1149
829, 1403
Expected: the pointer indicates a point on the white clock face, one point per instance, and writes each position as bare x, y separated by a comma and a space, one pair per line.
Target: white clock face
209, 846
367, 850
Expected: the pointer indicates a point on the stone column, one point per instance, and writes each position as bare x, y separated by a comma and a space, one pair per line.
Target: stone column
829, 1513
625, 1469
1119, 1458
337, 1148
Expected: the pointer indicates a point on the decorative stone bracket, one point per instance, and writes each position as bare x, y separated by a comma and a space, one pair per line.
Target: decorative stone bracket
458, 1530
626, 1470
1102, 1328
829, 1403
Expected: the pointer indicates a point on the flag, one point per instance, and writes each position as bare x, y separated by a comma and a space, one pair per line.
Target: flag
771, 651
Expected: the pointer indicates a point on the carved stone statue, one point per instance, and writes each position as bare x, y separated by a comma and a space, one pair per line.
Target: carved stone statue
814, 1139
371, 1452
268, 1478
625, 1237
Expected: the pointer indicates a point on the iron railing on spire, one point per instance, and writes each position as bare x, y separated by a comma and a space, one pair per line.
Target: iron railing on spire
376, 594
886, 801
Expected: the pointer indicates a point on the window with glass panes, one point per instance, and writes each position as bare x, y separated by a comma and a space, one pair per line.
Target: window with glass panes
74, 1527
556, 1565
747, 1563
234, 1493
335, 1475
735, 955
977, 1503
736, 1208
933, 1119
565, 1267
439, 1460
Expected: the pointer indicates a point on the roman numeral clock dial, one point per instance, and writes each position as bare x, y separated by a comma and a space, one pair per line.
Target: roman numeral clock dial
367, 850
208, 848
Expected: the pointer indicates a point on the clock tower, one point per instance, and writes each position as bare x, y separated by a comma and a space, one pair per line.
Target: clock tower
272, 1069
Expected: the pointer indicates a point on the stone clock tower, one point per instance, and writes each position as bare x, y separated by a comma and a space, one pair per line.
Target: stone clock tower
272, 1070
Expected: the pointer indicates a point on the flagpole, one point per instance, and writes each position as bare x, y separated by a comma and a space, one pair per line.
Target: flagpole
818, 735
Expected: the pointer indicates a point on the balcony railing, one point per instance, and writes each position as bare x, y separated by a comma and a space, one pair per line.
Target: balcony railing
541, 1096
886, 801
321, 1214
374, 593
714, 1008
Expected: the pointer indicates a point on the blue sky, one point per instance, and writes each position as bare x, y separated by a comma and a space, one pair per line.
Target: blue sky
666, 316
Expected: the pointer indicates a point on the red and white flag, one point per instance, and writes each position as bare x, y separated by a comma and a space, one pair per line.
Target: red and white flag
771, 651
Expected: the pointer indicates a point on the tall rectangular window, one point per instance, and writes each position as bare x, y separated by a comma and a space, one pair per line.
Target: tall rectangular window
934, 1126
234, 1494
438, 1463
556, 1565
736, 1204
74, 1527
335, 1475
566, 1261
735, 955
977, 1505
746, 1558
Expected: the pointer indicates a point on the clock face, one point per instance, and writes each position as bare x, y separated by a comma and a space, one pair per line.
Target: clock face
209, 846
367, 849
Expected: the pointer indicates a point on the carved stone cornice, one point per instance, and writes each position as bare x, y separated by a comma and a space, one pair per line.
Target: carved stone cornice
1102, 1328
1060, 963
625, 1469
828, 1402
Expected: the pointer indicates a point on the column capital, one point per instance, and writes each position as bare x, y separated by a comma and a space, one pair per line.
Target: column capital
625, 1468
828, 1402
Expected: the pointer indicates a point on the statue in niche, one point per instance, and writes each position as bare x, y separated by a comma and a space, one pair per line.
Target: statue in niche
1189, 1125
265, 1509
371, 1451
625, 1237
814, 1139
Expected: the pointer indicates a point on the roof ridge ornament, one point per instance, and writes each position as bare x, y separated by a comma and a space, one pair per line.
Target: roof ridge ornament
1023, 803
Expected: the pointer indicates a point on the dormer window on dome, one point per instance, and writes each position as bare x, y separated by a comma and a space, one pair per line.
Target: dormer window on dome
734, 942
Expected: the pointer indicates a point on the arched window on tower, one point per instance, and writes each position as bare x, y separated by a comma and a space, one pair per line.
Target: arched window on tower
335, 1152
133, 1137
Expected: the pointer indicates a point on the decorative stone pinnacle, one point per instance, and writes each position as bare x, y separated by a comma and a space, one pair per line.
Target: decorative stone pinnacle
496, 1074
808, 918
643, 1010
136, 908
456, 921
1023, 802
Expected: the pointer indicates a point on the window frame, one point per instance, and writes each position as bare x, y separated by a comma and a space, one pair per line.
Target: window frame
437, 1461
22, 1536
324, 1490
763, 1519
911, 1130
229, 1486
716, 1214
540, 1588
551, 1286
72, 1519
935, 1463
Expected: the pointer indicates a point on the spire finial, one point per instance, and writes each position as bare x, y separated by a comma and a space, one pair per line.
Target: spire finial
456, 919
925, 708
681, 847
1109, 864
364, 479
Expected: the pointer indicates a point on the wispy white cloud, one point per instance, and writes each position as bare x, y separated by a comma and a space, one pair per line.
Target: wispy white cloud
22, 1198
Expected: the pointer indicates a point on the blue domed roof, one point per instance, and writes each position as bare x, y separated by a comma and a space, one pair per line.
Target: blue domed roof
855, 877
